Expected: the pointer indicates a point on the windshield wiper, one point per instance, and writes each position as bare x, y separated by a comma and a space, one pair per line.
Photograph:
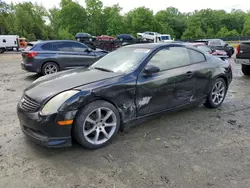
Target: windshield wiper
103, 69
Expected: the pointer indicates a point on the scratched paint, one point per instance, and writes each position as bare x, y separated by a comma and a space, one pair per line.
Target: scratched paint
144, 101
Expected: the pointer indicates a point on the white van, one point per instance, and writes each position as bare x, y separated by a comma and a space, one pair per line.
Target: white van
8, 42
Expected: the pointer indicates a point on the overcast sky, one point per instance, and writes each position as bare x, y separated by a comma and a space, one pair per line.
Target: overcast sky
156, 5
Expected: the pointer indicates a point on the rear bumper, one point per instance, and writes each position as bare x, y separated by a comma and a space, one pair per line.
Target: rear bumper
242, 61
29, 67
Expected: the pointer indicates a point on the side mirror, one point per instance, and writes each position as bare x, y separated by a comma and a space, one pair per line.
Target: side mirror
226, 45
150, 69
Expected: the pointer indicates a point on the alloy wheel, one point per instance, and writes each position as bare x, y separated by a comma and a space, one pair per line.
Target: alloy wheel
218, 92
99, 126
50, 69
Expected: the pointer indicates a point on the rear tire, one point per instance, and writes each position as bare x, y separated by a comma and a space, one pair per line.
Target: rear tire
96, 124
216, 94
245, 69
50, 68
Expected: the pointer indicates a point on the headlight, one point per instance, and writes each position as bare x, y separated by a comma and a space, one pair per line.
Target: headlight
54, 104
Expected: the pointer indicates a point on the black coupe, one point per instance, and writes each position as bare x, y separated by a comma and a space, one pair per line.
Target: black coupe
92, 104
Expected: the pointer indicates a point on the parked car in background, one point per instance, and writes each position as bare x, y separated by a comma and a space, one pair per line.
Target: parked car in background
9, 42
218, 44
243, 57
48, 57
218, 53
84, 36
126, 37
105, 38
148, 35
133, 82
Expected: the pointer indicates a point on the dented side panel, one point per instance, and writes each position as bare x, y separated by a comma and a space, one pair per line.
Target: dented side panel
120, 91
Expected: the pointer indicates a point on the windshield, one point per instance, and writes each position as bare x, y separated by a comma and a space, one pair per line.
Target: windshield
165, 37
122, 60
204, 49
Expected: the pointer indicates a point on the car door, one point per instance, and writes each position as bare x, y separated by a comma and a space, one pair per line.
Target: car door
64, 54
202, 71
173, 86
82, 57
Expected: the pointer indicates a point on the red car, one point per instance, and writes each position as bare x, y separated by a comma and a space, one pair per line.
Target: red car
105, 38
206, 48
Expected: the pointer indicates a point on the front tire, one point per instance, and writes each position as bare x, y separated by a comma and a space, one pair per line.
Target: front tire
50, 68
217, 94
245, 69
2, 50
96, 124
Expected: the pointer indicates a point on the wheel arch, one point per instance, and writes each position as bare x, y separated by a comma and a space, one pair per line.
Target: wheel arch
223, 77
106, 100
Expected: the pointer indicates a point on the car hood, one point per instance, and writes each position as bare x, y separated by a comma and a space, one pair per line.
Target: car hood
50, 85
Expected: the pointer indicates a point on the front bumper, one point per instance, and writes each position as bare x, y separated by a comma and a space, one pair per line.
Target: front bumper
44, 130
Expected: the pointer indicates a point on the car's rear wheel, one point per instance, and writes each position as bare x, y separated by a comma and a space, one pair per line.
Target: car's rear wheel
217, 93
245, 69
96, 124
50, 68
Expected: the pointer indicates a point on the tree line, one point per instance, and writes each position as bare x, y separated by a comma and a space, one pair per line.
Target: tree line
33, 21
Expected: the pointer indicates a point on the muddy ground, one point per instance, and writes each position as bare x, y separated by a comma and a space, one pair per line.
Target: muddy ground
193, 148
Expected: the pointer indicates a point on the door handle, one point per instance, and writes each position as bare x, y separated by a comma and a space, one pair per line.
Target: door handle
189, 74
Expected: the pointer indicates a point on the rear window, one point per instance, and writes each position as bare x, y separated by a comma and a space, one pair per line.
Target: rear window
47, 47
165, 38
204, 49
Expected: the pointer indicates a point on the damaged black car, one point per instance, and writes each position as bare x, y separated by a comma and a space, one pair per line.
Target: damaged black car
92, 104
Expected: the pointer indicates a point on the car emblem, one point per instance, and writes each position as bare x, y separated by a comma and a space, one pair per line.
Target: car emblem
22, 100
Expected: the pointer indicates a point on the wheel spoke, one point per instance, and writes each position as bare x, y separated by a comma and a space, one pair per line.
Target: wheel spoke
96, 135
110, 124
88, 132
222, 89
99, 114
88, 119
105, 133
107, 116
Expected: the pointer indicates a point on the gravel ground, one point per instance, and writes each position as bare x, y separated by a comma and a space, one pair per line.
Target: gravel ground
193, 148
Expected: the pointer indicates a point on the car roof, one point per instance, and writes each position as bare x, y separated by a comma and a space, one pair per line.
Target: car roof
197, 44
153, 45
50, 41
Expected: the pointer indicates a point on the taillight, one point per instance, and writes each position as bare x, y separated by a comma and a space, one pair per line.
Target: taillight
31, 54
238, 50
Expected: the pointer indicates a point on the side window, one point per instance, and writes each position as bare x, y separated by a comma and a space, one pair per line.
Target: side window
78, 47
170, 58
62, 46
196, 57
47, 47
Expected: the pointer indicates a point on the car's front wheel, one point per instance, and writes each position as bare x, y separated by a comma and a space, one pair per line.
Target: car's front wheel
96, 124
217, 93
245, 69
2, 50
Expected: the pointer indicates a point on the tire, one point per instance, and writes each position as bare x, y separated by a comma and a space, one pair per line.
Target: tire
214, 93
245, 69
2, 50
85, 131
53, 67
